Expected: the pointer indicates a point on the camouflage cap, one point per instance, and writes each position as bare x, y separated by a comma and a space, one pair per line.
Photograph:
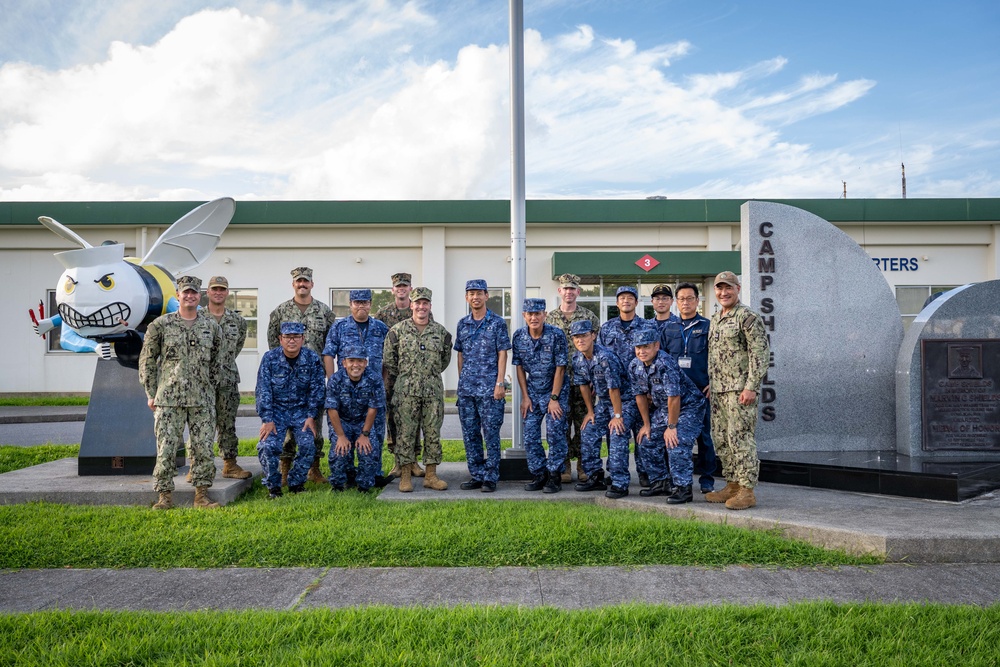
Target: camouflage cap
302, 272
727, 277
580, 327
533, 306
646, 335
662, 289
361, 295
477, 283
353, 352
218, 281
288, 328
420, 294
627, 289
401, 279
569, 280
185, 283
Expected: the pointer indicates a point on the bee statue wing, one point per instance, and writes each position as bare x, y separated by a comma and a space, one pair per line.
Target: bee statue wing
189, 241
62, 230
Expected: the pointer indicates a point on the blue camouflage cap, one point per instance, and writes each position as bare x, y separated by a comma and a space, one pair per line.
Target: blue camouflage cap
292, 328
361, 295
646, 335
353, 352
534, 306
627, 289
478, 283
580, 327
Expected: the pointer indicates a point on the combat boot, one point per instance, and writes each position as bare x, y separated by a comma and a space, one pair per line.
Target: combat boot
284, 466
580, 475
187, 477
537, 481
314, 474
416, 470
724, 494
659, 488
202, 500
681, 494
594, 483
405, 484
396, 471
567, 475
232, 470
431, 479
744, 499
165, 502
553, 484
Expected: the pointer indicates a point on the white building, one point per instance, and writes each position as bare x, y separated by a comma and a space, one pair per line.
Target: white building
921, 245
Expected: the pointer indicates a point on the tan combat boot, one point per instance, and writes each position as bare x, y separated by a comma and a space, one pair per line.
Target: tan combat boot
416, 470
284, 466
202, 500
396, 471
744, 499
187, 477
567, 475
722, 495
432, 481
405, 485
580, 475
232, 470
165, 502
315, 475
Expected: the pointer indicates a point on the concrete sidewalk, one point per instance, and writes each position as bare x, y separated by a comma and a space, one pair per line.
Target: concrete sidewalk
567, 588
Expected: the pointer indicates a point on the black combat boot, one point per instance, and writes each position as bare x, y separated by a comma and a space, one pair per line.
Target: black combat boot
553, 484
537, 481
594, 482
616, 492
660, 488
681, 494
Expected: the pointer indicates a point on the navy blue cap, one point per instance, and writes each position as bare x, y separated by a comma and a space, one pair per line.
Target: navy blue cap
534, 306
627, 289
292, 328
648, 334
353, 352
581, 327
361, 295
478, 283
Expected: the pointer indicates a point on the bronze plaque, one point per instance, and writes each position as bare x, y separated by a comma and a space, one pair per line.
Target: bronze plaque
960, 394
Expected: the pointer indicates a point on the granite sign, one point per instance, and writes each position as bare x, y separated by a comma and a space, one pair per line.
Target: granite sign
961, 394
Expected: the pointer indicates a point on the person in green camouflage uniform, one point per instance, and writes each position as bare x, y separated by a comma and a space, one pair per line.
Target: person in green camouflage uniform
179, 368
317, 318
563, 317
738, 355
415, 353
227, 396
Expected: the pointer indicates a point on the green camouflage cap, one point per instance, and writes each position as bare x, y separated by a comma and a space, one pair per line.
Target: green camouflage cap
419, 293
188, 282
302, 272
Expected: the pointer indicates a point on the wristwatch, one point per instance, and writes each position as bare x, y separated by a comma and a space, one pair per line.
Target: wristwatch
616, 416
365, 433
554, 397
671, 425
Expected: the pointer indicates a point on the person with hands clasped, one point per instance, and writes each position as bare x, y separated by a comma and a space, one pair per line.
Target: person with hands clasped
355, 397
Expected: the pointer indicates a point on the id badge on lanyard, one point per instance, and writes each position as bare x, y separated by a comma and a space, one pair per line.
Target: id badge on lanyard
684, 362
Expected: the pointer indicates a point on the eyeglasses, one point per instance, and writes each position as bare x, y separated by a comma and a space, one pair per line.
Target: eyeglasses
687, 298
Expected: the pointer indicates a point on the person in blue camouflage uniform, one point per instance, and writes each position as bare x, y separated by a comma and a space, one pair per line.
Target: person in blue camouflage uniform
673, 412
355, 397
686, 339
357, 330
481, 341
289, 393
618, 334
539, 353
600, 376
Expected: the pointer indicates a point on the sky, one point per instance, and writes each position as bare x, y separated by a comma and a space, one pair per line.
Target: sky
123, 100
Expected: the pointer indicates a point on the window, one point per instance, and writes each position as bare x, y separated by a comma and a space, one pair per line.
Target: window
911, 299
53, 337
340, 300
244, 302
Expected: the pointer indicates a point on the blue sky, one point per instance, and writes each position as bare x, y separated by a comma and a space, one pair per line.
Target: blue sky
389, 99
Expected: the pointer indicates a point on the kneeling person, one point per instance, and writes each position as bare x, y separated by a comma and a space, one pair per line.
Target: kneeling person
678, 411
289, 393
355, 408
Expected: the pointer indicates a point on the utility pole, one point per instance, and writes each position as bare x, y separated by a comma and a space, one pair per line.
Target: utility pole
904, 179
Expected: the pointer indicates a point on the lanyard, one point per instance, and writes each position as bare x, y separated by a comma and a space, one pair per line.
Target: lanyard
685, 336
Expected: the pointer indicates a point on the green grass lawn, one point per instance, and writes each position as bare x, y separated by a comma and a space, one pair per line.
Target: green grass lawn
799, 634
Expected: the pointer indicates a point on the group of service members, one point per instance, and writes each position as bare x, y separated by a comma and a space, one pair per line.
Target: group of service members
667, 384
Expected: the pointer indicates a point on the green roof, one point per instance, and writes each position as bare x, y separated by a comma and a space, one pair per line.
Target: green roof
603, 211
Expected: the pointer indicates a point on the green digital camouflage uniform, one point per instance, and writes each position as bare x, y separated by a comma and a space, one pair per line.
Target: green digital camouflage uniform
738, 356
179, 368
577, 408
391, 316
227, 396
413, 362
318, 318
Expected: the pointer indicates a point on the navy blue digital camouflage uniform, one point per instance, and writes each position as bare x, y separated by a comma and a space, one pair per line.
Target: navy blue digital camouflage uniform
619, 337
352, 401
288, 394
540, 359
661, 380
689, 338
481, 415
602, 372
